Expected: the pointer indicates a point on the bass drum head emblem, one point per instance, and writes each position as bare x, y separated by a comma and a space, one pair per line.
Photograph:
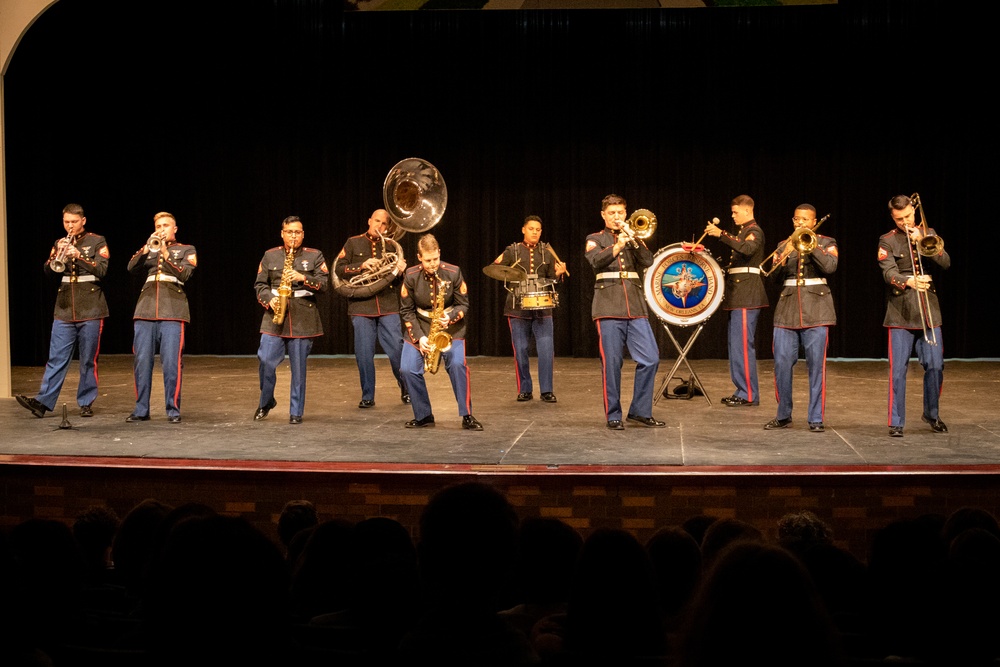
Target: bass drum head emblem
683, 287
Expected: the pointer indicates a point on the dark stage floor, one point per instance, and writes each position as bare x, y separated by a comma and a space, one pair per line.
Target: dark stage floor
220, 396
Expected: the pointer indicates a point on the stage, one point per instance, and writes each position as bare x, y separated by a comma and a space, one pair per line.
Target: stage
220, 395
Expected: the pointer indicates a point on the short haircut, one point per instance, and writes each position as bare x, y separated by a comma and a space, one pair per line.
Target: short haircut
427, 243
742, 200
899, 202
289, 220
806, 207
73, 209
533, 217
164, 214
612, 200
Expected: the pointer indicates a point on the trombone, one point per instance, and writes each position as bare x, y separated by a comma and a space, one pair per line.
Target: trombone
640, 225
927, 246
803, 239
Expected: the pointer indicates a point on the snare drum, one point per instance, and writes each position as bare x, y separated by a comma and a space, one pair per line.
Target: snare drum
538, 300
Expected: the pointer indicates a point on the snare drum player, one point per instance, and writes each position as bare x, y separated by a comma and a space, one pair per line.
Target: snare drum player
803, 316
619, 310
161, 315
542, 268
744, 298
81, 258
375, 317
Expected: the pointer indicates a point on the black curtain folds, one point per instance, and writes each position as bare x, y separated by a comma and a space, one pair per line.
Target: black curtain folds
233, 114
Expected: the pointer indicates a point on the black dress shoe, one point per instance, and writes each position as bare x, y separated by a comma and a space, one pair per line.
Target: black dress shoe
86, 411
937, 425
896, 431
646, 421
777, 423
32, 404
817, 427
294, 419
132, 418
365, 403
471, 423
524, 396
549, 397
736, 402
405, 397
174, 419
731, 397
421, 423
263, 412
616, 425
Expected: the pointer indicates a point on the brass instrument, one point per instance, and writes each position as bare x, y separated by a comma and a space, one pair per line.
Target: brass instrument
386, 265
154, 242
803, 239
640, 225
438, 340
58, 263
284, 287
928, 246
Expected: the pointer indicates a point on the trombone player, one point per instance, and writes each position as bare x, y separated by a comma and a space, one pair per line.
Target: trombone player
912, 314
803, 315
375, 317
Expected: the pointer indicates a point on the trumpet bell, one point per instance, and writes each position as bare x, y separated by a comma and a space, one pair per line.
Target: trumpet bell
643, 223
415, 195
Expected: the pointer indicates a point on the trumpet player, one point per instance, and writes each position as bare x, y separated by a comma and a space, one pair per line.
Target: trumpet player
290, 322
619, 311
537, 259
161, 315
81, 259
375, 317
912, 315
434, 282
803, 317
744, 298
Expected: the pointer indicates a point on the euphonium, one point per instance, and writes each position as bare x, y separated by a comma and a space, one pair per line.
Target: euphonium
58, 263
438, 339
285, 287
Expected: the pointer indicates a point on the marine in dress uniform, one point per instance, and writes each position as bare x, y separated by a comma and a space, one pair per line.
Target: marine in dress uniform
744, 298
619, 311
803, 317
375, 316
161, 315
539, 263
301, 324
421, 288
903, 316
79, 314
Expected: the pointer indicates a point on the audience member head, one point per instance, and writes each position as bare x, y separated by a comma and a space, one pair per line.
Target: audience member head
322, 575
676, 559
968, 517
696, 526
94, 531
724, 532
295, 516
547, 550
135, 542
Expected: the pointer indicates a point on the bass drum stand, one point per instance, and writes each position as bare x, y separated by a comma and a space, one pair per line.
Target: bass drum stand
683, 286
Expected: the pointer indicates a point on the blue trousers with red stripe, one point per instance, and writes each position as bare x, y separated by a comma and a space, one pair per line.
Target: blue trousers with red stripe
65, 337
637, 335
521, 331
168, 337
902, 342
742, 353
786, 355
411, 367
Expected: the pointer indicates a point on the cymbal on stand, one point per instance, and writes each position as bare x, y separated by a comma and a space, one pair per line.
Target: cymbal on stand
505, 273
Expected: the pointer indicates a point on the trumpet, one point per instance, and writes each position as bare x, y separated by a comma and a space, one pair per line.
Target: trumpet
154, 242
927, 246
58, 263
640, 225
803, 240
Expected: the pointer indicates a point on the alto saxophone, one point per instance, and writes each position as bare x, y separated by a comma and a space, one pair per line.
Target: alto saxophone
438, 340
285, 287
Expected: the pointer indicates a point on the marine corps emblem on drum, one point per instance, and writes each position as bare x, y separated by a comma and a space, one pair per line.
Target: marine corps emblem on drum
684, 285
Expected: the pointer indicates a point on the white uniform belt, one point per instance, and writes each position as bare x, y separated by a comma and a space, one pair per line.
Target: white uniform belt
163, 278
80, 279
792, 282
743, 269
426, 314
298, 292
609, 275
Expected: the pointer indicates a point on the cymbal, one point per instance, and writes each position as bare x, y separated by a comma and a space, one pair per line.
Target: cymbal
505, 273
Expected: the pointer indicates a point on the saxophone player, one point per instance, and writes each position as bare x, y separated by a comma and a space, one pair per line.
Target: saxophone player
81, 258
434, 283
375, 317
289, 325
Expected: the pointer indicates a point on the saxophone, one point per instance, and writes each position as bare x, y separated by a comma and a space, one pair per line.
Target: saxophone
438, 339
285, 287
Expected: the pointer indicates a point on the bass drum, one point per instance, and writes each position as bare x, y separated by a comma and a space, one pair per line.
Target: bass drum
683, 286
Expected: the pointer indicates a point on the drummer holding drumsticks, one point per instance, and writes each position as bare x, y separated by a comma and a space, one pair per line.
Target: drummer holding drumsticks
529, 309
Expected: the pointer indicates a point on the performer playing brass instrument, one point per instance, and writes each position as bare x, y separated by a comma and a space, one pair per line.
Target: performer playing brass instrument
912, 313
434, 283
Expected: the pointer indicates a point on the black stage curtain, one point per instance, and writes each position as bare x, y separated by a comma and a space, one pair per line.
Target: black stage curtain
233, 114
